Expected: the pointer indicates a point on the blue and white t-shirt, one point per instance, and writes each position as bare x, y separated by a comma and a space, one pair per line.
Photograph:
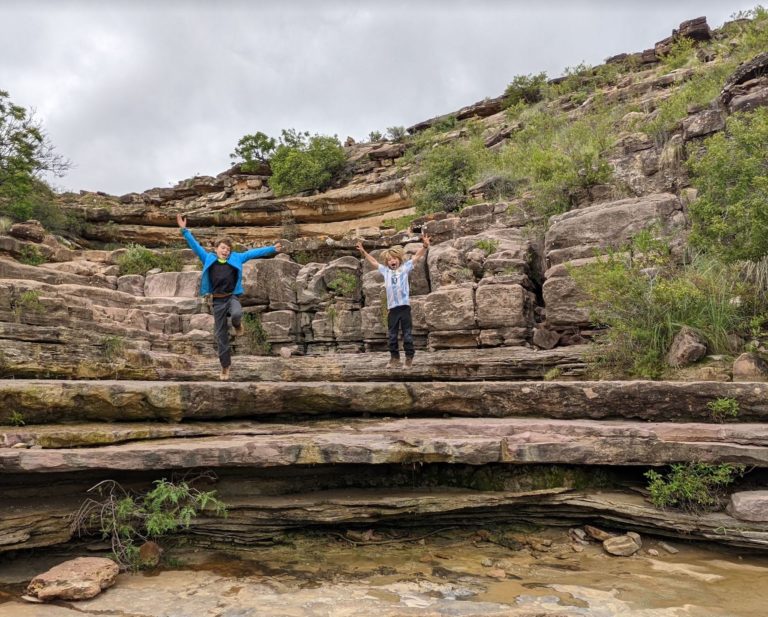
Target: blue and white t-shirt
396, 284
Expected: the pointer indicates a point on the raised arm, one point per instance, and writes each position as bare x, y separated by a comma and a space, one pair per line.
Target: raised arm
367, 255
424, 246
193, 244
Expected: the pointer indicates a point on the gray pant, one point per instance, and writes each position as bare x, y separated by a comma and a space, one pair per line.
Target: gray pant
223, 308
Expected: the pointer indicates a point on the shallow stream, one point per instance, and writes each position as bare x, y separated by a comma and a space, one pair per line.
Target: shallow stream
454, 573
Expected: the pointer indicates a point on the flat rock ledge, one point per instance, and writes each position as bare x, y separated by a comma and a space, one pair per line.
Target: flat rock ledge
64, 401
472, 441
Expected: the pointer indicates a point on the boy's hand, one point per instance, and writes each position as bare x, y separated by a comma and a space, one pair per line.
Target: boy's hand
278, 246
182, 221
359, 247
425, 240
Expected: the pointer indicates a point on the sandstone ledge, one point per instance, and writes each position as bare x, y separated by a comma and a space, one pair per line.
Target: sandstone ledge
472, 441
63, 401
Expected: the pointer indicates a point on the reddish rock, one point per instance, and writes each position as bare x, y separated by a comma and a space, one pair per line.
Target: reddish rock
77, 579
750, 367
687, 347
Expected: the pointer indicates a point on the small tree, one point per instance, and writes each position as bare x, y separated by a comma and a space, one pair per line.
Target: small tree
254, 150
526, 89
26, 156
302, 162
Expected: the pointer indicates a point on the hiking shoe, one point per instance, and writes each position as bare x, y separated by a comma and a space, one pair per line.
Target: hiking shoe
224, 374
239, 330
408, 362
394, 363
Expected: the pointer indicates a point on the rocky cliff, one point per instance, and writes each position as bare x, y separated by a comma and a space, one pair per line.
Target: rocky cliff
494, 411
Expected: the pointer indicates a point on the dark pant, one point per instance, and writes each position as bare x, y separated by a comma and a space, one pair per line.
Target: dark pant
222, 309
399, 317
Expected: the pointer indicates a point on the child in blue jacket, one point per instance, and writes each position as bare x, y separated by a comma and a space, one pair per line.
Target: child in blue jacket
222, 278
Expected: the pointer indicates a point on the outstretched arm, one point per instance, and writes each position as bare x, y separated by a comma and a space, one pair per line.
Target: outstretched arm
367, 255
193, 244
424, 246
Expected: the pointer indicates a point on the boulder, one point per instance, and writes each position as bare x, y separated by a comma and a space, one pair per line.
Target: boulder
77, 579
749, 506
750, 367
687, 347
703, 123
172, 285
621, 546
450, 308
132, 284
504, 306
29, 230
545, 339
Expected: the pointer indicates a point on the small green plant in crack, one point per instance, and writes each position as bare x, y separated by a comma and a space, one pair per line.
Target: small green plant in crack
27, 302
723, 408
488, 245
31, 256
693, 487
255, 336
16, 418
129, 519
344, 285
112, 347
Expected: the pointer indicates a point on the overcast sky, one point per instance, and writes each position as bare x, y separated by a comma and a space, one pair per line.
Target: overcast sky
141, 94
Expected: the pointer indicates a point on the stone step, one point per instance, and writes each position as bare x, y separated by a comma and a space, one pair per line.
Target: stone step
65, 401
48, 352
471, 441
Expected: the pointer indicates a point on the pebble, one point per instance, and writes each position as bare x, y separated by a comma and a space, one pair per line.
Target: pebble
669, 548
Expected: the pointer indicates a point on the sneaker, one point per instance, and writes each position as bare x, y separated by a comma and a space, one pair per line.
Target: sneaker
393, 363
239, 330
224, 374
408, 362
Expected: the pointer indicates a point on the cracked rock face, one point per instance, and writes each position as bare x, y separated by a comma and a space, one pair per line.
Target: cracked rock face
77, 579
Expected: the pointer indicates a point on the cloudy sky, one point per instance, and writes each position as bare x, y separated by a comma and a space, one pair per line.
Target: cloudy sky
139, 94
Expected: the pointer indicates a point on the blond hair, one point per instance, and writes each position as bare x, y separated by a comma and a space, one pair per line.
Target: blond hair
396, 252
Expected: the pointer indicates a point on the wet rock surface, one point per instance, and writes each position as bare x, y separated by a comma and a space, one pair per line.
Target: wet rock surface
510, 572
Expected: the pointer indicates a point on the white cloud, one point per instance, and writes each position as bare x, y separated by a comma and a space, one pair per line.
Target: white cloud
145, 94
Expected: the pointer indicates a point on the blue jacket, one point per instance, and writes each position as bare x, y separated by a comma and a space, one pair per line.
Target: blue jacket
236, 260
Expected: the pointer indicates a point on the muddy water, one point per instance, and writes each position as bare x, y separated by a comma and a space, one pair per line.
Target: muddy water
455, 573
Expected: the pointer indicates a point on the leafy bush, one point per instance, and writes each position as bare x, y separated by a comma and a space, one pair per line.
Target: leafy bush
700, 90
526, 89
445, 124
693, 487
375, 136
139, 260
112, 347
396, 133
254, 150
31, 256
344, 284
445, 173
723, 408
679, 54
303, 163
25, 156
645, 298
128, 519
255, 337
730, 218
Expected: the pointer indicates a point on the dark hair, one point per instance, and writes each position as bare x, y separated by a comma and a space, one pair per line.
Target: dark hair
225, 240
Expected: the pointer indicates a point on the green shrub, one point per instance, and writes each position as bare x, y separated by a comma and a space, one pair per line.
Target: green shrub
128, 519
700, 90
693, 487
26, 155
445, 124
304, 163
730, 218
255, 337
445, 173
723, 408
139, 260
488, 245
112, 347
375, 136
344, 284
254, 150
400, 223
31, 256
645, 299
526, 89
680, 53
396, 133
16, 418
